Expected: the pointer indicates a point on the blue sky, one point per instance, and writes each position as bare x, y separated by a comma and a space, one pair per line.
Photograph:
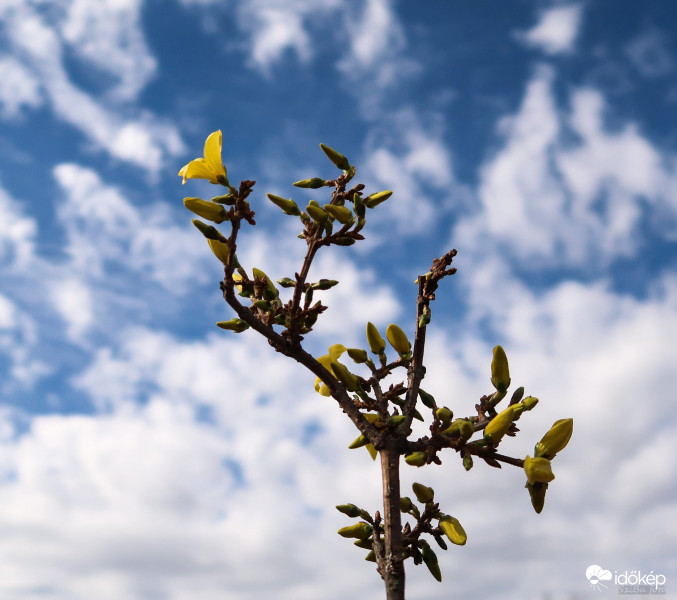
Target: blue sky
146, 454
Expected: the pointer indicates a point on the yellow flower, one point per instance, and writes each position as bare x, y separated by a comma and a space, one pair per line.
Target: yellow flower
335, 351
210, 166
538, 470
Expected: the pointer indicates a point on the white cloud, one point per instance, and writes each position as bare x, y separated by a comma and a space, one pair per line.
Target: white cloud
72, 298
17, 235
108, 38
550, 200
18, 87
556, 30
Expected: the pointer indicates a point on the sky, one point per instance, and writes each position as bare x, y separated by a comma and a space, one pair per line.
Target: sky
146, 454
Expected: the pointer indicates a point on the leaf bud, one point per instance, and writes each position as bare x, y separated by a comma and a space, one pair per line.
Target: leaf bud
406, 504
288, 206
206, 209
358, 442
424, 319
424, 494
366, 544
360, 530
376, 343
537, 494
358, 206
325, 284
318, 215
236, 325
398, 340
343, 241
358, 355
313, 183
209, 231
341, 213
373, 452
500, 373
430, 560
445, 416
451, 527
349, 509
373, 200
556, 439
538, 470
467, 462
336, 157
517, 395
286, 282
427, 399
500, 424
371, 557
228, 199
416, 459
396, 420
345, 376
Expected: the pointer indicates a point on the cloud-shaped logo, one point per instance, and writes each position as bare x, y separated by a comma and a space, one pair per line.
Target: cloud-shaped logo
596, 575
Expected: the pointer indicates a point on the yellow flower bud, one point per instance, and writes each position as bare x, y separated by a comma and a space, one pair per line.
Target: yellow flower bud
451, 527
529, 402
206, 209
360, 530
427, 399
538, 470
312, 183
376, 343
537, 494
424, 494
336, 157
462, 428
349, 509
416, 459
236, 325
374, 200
556, 439
371, 557
445, 416
500, 424
345, 376
500, 373
341, 213
219, 249
317, 213
398, 340
373, 452
289, 207
358, 355
358, 442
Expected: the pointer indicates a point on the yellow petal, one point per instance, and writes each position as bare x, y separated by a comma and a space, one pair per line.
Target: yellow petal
197, 169
213, 154
335, 351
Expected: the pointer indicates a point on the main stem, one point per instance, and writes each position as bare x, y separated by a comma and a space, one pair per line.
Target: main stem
393, 572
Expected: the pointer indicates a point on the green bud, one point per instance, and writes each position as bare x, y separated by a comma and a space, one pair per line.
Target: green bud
424, 494
537, 494
517, 395
228, 199
450, 527
288, 206
336, 157
312, 183
220, 250
416, 459
373, 200
500, 424
376, 343
467, 462
371, 557
538, 470
358, 355
360, 530
373, 452
445, 416
270, 286
462, 428
396, 420
424, 319
500, 373
349, 509
206, 209
529, 402
358, 206
406, 504
343, 241
556, 439
358, 442
430, 560
209, 231
324, 284
427, 399
286, 282
345, 376
341, 213
318, 215
366, 544
398, 340
417, 415
236, 325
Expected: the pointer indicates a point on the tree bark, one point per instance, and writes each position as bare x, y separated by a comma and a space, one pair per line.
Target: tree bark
393, 572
